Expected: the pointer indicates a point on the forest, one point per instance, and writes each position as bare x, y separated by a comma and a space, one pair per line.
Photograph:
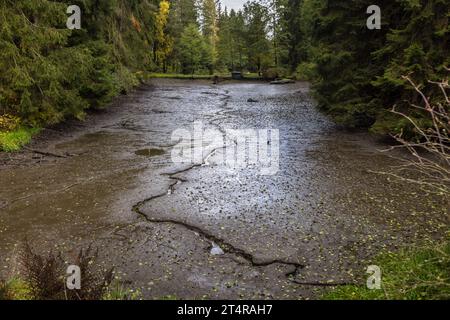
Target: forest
49, 73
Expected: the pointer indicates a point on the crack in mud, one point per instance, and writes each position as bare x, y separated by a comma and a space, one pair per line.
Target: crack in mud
226, 246
46, 153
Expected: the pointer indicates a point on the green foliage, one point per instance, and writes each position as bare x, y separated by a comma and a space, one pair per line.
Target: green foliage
210, 28
293, 37
183, 76
230, 40
258, 45
18, 289
411, 274
203, 76
163, 44
49, 73
15, 289
182, 14
117, 291
305, 71
9, 122
340, 54
358, 80
232, 46
192, 49
274, 73
14, 140
417, 45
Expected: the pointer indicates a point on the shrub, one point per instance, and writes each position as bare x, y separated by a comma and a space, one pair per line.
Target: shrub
45, 276
429, 166
305, 71
274, 73
4, 294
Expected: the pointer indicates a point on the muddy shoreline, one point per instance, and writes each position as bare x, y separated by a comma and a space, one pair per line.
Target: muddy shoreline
319, 221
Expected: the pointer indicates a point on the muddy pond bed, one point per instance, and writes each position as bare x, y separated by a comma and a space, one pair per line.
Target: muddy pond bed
202, 230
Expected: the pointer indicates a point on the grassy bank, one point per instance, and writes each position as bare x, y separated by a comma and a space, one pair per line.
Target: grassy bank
19, 289
14, 140
411, 274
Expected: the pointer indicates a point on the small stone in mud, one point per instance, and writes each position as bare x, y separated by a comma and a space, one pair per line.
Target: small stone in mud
149, 152
216, 250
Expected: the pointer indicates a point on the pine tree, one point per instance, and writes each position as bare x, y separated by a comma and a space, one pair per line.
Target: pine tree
225, 46
182, 14
293, 38
359, 71
258, 45
49, 73
417, 45
238, 39
192, 49
210, 29
344, 65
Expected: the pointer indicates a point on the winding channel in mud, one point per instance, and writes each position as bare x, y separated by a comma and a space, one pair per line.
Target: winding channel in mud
110, 182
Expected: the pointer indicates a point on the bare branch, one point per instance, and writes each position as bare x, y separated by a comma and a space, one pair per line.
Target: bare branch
429, 161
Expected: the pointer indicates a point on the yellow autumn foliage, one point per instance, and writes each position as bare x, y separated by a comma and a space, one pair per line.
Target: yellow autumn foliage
9, 122
164, 43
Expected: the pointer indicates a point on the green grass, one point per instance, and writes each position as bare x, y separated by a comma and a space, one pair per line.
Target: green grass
15, 140
411, 274
15, 289
117, 291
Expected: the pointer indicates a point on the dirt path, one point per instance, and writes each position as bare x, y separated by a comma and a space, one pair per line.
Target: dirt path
111, 182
